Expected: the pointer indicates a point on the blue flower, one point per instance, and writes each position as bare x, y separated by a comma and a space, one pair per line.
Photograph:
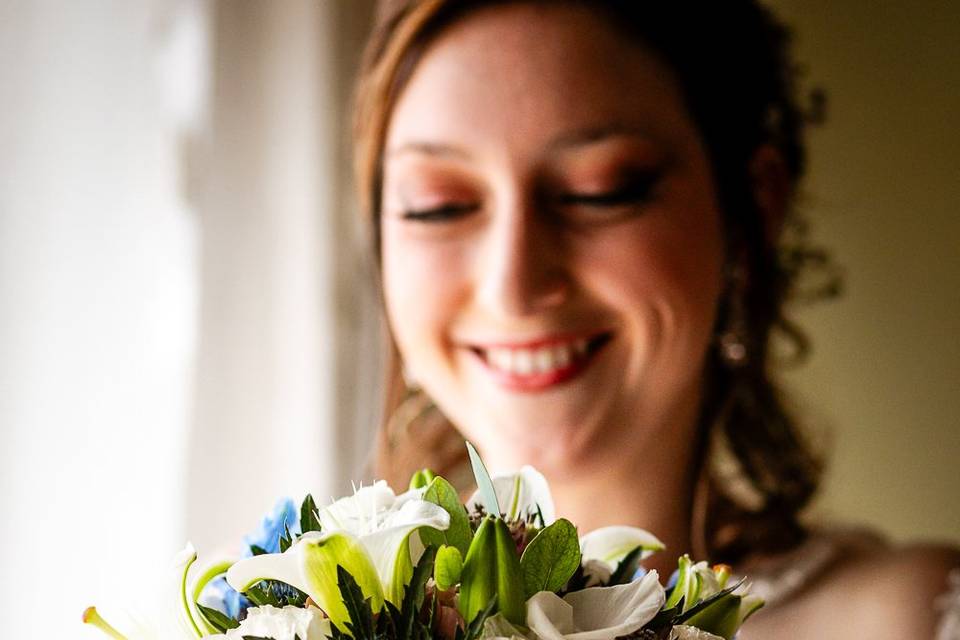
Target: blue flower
274, 525
220, 595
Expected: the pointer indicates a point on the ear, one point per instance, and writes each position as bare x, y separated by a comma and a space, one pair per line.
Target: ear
772, 189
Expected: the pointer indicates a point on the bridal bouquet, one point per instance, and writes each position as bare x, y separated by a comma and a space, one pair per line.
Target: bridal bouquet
421, 565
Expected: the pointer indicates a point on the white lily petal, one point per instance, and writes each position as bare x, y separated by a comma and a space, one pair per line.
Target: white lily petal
410, 494
389, 549
624, 607
596, 613
358, 513
285, 567
155, 612
311, 566
683, 632
521, 493
611, 544
549, 616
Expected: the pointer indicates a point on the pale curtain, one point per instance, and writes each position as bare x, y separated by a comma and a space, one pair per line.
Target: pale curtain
184, 332
283, 311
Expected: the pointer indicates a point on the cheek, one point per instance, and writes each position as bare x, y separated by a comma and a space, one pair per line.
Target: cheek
666, 280
420, 291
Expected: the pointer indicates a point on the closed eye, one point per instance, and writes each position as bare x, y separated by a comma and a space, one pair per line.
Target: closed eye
634, 193
443, 213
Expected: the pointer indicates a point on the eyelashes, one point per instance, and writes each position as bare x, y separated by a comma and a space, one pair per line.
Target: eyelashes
637, 190
442, 213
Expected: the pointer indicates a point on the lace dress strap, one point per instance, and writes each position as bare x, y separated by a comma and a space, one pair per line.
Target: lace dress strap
776, 581
949, 607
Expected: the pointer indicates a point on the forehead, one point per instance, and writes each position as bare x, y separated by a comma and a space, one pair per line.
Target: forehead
520, 75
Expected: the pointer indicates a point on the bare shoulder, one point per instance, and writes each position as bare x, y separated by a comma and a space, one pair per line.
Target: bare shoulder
896, 590
872, 589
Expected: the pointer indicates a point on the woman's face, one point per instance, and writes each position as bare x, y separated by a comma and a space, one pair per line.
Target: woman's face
552, 244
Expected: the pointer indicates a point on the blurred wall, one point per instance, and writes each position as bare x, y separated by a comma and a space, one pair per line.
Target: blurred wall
97, 300
883, 194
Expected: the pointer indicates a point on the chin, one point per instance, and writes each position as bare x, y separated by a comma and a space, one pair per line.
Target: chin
555, 448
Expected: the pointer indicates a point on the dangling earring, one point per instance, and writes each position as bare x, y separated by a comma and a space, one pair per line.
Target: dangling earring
733, 339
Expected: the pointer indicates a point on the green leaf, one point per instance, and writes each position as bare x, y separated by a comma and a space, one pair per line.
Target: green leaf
551, 558
360, 625
721, 617
413, 594
665, 618
219, 621
261, 595
458, 534
704, 604
286, 539
475, 628
257, 551
626, 568
387, 621
309, 520
484, 483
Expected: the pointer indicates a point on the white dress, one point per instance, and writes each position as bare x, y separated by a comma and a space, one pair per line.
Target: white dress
777, 580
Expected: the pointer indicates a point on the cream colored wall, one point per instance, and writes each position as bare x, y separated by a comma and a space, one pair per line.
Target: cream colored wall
883, 194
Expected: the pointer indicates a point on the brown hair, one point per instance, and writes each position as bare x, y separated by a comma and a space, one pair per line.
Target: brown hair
732, 62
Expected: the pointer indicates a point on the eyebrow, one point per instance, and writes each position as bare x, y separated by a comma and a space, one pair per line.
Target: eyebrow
592, 135
575, 138
430, 149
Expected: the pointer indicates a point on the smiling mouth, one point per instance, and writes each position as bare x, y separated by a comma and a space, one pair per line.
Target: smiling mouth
537, 366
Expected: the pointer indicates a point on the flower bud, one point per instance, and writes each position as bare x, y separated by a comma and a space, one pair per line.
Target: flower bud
421, 478
492, 568
447, 567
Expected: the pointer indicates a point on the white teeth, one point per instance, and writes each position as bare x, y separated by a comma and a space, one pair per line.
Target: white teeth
543, 360
501, 359
525, 362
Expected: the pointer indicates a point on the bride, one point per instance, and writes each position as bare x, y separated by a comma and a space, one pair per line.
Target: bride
579, 213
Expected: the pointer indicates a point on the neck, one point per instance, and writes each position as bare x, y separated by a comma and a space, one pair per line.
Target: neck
651, 496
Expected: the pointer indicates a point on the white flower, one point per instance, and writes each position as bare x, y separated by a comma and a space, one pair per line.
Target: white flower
596, 613
709, 584
683, 632
602, 550
595, 571
164, 614
520, 495
282, 624
368, 534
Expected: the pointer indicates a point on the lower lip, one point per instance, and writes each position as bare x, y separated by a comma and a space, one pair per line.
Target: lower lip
534, 382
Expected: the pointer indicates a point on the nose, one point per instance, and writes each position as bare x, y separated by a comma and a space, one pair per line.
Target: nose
523, 269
